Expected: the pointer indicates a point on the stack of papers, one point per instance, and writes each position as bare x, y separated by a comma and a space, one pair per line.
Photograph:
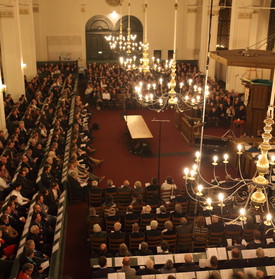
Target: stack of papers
179, 258
249, 254
116, 275
202, 274
118, 261
270, 270
226, 273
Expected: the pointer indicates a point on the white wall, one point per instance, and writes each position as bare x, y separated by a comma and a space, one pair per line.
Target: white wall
60, 26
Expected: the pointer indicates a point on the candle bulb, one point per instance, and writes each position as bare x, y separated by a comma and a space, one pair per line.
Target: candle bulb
267, 222
239, 147
199, 193
209, 202
221, 198
225, 157
215, 159
186, 172
192, 174
242, 214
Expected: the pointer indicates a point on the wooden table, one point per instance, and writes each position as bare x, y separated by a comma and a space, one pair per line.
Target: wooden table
137, 127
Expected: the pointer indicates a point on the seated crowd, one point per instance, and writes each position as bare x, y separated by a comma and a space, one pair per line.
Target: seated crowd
23, 157
108, 84
154, 222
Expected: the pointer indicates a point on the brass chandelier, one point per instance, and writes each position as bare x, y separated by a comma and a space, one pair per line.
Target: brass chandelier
165, 93
124, 45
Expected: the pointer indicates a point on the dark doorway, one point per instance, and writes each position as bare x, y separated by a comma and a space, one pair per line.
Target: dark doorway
157, 54
170, 54
97, 48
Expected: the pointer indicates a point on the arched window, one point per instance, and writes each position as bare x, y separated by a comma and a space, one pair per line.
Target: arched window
224, 24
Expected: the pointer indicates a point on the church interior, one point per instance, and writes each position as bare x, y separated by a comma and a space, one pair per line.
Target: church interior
137, 139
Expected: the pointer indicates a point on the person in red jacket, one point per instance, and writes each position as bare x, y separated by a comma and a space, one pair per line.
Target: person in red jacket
26, 271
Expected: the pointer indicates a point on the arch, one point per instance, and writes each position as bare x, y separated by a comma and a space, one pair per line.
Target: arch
135, 23
97, 27
99, 23
97, 48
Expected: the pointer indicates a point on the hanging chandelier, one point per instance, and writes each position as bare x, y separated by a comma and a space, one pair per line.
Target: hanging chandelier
161, 95
244, 194
124, 45
248, 195
171, 94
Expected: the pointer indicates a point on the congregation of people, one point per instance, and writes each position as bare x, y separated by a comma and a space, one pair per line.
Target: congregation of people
110, 85
31, 165
155, 215
160, 220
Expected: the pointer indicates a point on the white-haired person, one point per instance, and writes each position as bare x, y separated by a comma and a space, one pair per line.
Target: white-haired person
149, 269
117, 233
97, 232
188, 265
147, 212
153, 232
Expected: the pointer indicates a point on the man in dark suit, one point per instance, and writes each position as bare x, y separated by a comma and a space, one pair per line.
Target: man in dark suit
256, 242
27, 257
146, 213
130, 215
125, 187
217, 225
23, 134
189, 265
104, 270
149, 269
261, 259
238, 244
154, 186
235, 262
154, 229
117, 233
135, 231
46, 177
75, 187
28, 187
184, 227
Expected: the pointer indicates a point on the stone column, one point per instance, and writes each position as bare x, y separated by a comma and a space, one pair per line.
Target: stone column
82, 62
189, 36
28, 38
214, 34
2, 109
11, 49
240, 38
205, 34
